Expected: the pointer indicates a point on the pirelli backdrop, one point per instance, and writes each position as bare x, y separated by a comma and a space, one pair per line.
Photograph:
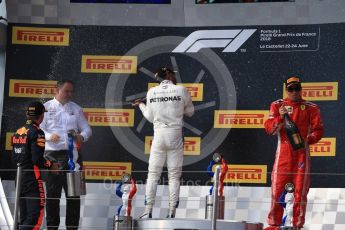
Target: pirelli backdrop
232, 74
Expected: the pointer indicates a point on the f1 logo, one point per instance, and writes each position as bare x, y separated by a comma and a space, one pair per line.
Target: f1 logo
230, 39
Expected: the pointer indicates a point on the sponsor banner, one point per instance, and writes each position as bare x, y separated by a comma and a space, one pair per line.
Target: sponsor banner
32, 88
106, 170
196, 90
326, 147
8, 145
252, 174
40, 36
108, 64
216, 58
318, 91
109, 117
191, 145
240, 118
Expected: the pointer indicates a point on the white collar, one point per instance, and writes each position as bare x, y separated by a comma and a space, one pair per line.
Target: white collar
59, 103
166, 82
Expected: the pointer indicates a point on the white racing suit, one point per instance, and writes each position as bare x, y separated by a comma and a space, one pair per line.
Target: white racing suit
165, 108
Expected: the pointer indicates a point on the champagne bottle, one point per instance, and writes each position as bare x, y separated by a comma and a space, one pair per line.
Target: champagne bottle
293, 133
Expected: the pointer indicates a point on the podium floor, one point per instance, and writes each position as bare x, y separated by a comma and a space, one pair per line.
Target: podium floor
193, 224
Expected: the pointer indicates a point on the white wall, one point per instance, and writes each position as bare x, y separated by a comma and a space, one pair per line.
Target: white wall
179, 13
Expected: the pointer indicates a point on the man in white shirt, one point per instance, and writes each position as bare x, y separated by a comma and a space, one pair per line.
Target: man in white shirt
63, 116
165, 108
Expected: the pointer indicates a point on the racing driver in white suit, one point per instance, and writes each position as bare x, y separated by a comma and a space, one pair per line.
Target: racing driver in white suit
166, 104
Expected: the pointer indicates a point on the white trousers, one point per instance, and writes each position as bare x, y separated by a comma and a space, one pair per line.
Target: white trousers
167, 146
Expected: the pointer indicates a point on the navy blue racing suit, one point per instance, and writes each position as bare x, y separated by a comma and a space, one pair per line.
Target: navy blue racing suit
28, 148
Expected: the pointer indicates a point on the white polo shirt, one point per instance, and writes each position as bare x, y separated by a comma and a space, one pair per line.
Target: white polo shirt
59, 119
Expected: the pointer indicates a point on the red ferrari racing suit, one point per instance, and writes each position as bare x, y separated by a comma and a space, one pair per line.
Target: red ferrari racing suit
292, 166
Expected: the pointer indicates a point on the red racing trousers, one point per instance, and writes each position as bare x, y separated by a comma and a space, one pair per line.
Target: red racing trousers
290, 167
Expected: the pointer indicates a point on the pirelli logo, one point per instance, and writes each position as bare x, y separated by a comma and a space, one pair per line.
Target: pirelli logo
109, 117
106, 170
8, 145
32, 88
196, 90
319, 91
240, 118
108, 64
40, 36
191, 145
326, 147
252, 174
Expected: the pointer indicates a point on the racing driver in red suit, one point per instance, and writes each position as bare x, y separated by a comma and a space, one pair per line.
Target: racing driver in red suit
292, 166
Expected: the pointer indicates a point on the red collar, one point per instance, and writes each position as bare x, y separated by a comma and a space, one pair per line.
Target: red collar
288, 101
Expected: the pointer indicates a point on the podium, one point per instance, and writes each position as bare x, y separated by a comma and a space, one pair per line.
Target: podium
213, 222
193, 224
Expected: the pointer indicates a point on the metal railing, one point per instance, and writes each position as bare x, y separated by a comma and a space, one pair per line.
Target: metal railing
231, 199
16, 203
6, 218
215, 199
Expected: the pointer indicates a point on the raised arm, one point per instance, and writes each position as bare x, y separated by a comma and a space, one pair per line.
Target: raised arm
146, 109
274, 121
188, 104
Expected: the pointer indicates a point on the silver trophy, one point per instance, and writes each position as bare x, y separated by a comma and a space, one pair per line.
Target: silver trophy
129, 189
289, 228
126, 178
217, 157
289, 187
76, 185
289, 201
71, 133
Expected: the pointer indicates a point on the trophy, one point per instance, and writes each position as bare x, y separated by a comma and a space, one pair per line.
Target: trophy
75, 178
129, 190
216, 159
287, 201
